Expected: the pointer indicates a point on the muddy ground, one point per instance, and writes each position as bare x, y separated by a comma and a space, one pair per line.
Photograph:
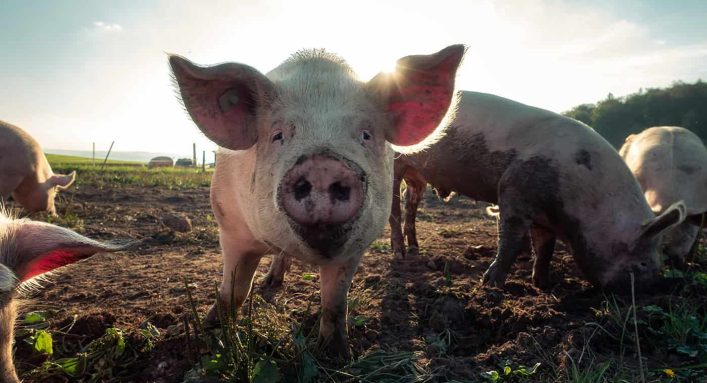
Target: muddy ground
431, 303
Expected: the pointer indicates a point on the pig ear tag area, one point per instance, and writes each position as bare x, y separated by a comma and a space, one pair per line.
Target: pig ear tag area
228, 100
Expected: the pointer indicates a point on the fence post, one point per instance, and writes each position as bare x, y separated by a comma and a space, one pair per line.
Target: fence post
194, 155
107, 154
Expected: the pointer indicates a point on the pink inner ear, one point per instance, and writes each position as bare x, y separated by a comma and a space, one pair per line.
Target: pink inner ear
62, 180
418, 118
228, 127
50, 261
421, 101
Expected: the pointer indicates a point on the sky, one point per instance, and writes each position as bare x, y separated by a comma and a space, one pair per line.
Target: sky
77, 72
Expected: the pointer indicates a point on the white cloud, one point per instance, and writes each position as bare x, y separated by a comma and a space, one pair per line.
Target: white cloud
109, 27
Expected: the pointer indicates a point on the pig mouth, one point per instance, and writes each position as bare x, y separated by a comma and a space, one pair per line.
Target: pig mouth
326, 239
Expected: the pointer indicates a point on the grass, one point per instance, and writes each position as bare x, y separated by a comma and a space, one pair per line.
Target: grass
110, 357
265, 345
128, 173
61, 160
673, 331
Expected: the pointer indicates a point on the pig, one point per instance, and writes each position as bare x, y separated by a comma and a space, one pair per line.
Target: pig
25, 173
28, 250
552, 177
305, 163
670, 164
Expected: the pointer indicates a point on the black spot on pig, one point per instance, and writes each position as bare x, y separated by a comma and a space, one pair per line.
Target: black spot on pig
481, 163
537, 184
582, 157
687, 169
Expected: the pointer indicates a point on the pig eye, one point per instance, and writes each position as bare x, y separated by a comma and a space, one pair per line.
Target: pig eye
366, 135
277, 136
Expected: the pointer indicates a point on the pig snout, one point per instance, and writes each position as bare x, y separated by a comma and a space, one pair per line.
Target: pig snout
322, 195
322, 190
645, 274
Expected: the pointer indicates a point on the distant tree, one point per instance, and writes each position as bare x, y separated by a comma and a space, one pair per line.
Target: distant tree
615, 118
582, 113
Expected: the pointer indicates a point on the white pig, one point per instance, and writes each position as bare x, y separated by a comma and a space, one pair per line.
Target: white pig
25, 173
305, 165
670, 163
29, 249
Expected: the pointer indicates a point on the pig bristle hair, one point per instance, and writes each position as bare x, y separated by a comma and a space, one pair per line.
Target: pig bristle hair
177, 93
317, 54
31, 286
8, 279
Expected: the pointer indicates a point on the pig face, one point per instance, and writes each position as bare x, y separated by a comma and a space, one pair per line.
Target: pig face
642, 258
29, 249
321, 139
41, 196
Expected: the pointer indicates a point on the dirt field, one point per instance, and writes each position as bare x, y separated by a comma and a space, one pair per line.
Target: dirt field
431, 304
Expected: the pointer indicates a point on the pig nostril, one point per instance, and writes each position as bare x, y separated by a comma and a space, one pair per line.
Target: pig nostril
339, 192
643, 264
302, 188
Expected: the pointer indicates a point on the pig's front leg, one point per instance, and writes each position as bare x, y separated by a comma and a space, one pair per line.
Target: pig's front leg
278, 268
335, 284
241, 256
416, 186
397, 241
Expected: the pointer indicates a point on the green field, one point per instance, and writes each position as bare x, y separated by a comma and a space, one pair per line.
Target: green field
59, 160
128, 173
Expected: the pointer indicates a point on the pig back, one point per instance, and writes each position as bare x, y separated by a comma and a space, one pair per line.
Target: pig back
487, 134
20, 155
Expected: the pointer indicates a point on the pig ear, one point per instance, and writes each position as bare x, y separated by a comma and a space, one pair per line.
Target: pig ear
418, 94
626, 146
63, 181
223, 100
672, 216
37, 247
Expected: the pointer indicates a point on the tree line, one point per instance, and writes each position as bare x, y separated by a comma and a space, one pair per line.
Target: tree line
679, 105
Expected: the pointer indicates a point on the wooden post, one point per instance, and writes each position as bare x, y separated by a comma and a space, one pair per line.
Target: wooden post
94, 154
203, 161
107, 154
194, 155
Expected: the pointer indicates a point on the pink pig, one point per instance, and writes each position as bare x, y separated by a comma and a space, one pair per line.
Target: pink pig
306, 164
25, 173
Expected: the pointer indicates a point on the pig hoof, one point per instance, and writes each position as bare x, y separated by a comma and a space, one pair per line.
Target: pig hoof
336, 350
398, 252
271, 281
494, 277
211, 318
413, 251
540, 282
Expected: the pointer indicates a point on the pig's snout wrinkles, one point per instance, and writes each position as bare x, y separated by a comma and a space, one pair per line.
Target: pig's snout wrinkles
322, 190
